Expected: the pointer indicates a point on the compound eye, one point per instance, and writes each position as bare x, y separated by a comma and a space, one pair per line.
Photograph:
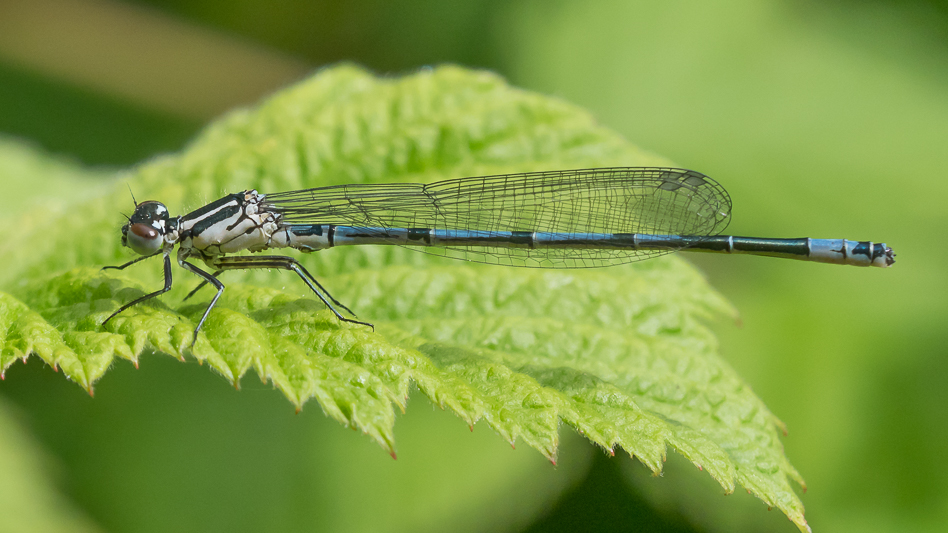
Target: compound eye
143, 239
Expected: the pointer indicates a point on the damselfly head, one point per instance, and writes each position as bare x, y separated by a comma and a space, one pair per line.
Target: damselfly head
146, 228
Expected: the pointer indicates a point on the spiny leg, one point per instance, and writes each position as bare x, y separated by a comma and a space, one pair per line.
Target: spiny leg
279, 258
208, 278
136, 301
288, 260
132, 262
202, 284
287, 263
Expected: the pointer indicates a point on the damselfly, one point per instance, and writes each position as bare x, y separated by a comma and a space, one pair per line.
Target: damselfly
561, 219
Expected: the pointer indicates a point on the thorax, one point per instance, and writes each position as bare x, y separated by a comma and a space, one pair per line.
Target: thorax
231, 224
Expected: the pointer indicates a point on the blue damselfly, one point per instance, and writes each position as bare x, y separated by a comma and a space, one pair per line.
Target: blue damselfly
561, 219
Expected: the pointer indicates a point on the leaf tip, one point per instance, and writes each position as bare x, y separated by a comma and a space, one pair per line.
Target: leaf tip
392, 453
800, 522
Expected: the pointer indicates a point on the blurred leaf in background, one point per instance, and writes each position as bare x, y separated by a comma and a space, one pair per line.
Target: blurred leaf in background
822, 119
28, 499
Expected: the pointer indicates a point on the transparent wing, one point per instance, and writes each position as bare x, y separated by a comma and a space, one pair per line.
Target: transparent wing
652, 200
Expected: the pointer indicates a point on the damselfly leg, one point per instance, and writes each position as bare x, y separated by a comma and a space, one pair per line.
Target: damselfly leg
149, 296
208, 278
289, 260
287, 263
222, 264
200, 286
132, 262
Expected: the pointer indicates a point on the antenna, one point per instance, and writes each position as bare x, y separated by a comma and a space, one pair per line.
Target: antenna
133, 194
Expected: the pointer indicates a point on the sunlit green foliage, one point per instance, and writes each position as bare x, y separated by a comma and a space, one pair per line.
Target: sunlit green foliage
620, 355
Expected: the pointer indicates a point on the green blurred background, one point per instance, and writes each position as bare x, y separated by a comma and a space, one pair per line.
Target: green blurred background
823, 119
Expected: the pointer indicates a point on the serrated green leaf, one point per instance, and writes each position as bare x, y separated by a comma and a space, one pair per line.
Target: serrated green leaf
619, 354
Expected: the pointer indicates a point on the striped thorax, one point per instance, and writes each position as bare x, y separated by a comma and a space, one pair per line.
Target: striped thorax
232, 224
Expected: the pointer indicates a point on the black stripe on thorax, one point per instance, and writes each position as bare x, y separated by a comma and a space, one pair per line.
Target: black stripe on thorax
236, 198
222, 214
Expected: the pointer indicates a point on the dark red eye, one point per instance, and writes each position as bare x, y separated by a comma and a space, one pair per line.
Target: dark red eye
144, 239
143, 231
